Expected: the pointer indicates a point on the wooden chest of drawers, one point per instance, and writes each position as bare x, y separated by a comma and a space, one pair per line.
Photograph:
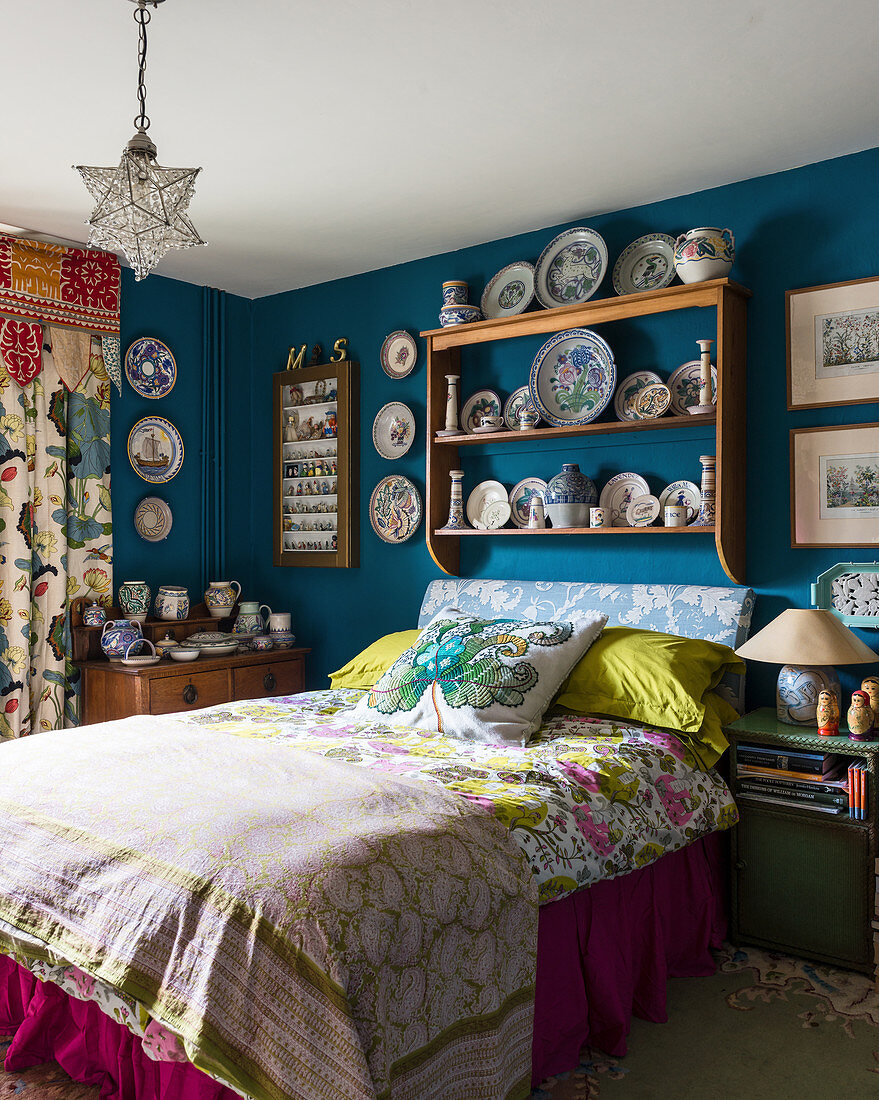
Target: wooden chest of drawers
111, 691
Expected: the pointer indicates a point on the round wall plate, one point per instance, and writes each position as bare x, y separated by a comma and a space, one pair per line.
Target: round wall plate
570, 268
150, 367
398, 354
393, 430
395, 509
153, 519
155, 449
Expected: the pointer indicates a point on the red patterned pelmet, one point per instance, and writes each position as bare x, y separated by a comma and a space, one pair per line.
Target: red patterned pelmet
76, 287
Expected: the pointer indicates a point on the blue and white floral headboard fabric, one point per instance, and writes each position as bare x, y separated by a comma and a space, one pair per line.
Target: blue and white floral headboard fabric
689, 610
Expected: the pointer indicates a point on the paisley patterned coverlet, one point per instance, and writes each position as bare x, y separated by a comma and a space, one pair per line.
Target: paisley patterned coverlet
310, 929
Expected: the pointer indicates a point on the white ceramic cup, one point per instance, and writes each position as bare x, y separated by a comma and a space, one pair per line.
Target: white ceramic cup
598, 517
492, 421
678, 515
279, 622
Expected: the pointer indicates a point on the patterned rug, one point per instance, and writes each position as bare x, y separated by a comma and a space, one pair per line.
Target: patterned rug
765, 1025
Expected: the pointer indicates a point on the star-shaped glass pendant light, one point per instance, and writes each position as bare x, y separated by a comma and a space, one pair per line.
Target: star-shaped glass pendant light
141, 207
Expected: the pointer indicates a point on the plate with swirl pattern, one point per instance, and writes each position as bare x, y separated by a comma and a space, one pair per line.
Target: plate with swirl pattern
572, 377
153, 519
570, 268
150, 367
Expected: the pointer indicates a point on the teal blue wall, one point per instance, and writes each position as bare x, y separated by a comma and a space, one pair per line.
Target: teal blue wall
810, 226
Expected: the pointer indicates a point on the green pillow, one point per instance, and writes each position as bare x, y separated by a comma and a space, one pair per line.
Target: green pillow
363, 670
649, 677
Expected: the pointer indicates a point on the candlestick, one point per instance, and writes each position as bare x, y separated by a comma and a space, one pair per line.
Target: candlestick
706, 512
456, 521
706, 402
451, 427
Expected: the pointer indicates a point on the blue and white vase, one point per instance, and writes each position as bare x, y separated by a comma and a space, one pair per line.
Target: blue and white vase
569, 496
117, 638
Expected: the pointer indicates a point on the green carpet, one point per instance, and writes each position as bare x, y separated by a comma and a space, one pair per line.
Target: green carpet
764, 1026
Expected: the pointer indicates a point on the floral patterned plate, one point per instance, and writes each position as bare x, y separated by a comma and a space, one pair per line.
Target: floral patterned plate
651, 402
153, 519
684, 386
395, 509
510, 292
520, 498
150, 367
517, 400
628, 389
479, 404
155, 449
398, 354
645, 264
572, 377
570, 268
619, 493
393, 429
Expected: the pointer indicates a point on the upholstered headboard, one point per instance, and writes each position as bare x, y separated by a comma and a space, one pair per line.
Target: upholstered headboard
690, 610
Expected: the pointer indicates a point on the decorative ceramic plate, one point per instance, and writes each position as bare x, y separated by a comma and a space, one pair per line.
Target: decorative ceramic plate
684, 386
150, 367
645, 264
517, 400
510, 292
393, 430
496, 514
651, 402
485, 493
642, 510
570, 268
572, 377
155, 449
628, 389
618, 493
520, 498
479, 404
682, 492
398, 354
153, 519
395, 509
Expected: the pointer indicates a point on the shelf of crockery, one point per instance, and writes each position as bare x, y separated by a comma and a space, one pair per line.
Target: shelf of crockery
595, 428
579, 531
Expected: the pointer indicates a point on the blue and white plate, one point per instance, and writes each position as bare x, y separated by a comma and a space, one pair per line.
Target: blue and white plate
510, 292
645, 264
570, 268
572, 377
150, 367
155, 449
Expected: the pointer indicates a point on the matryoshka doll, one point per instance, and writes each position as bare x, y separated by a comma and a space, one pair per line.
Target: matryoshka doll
871, 686
860, 717
828, 714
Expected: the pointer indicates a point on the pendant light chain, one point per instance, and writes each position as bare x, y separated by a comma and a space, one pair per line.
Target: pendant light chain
142, 17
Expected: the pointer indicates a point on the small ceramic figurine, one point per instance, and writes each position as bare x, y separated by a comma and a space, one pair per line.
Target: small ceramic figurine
860, 717
871, 685
290, 431
828, 714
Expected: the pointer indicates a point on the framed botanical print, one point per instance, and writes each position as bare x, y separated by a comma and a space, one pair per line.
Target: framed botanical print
835, 486
833, 344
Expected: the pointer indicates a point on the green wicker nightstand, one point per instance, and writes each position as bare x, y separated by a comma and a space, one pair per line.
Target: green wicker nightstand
805, 882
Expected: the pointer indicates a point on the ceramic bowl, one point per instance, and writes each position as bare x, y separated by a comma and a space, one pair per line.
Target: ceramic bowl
284, 641
459, 315
184, 653
262, 641
705, 253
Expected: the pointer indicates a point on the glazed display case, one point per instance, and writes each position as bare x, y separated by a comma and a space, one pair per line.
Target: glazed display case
315, 457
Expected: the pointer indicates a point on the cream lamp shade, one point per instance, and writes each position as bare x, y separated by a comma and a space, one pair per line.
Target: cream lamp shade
808, 642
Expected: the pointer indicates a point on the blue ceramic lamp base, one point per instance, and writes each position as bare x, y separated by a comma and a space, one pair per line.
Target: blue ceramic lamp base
796, 694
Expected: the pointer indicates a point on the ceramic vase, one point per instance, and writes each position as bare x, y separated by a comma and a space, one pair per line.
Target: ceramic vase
797, 691
706, 512
118, 636
172, 602
456, 521
705, 253
569, 496
134, 599
220, 597
94, 615
455, 293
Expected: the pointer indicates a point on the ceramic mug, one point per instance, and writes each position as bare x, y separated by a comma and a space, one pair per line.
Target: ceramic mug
492, 421
455, 293
279, 622
678, 515
598, 517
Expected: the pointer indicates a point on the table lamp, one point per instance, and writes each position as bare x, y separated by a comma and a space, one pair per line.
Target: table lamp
809, 642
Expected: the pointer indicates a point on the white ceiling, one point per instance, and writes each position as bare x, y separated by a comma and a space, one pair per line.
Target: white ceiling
339, 136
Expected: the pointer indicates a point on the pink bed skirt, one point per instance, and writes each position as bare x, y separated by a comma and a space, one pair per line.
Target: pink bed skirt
604, 955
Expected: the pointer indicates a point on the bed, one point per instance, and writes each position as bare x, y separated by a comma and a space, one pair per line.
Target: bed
328, 908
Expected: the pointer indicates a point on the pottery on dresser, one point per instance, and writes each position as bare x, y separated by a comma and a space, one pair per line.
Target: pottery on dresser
166, 644
250, 619
117, 637
459, 315
705, 253
94, 615
280, 622
220, 597
172, 602
262, 642
527, 418
569, 496
455, 293
283, 641
134, 599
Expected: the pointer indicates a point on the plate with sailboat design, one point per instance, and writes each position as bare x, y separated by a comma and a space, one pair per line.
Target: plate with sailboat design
155, 449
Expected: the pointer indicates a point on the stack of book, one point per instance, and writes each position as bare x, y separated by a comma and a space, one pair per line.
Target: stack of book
810, 780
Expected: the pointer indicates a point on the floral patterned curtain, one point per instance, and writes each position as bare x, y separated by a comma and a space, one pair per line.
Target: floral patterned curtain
55, 534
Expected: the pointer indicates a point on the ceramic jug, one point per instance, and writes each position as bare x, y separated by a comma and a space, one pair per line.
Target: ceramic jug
172, 602
569, 496
221, 597
118, 635
250, 619
134, 599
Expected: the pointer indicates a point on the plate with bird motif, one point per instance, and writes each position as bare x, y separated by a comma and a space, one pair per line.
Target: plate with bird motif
645, 264
684, 386
155, 449
150, 367
398, 354
572, 377
153, 519
570, 268
510, 292
395, 509
517, 401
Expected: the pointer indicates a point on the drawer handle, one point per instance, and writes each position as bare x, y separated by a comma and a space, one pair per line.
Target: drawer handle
190, 693
269, 681
740, 865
